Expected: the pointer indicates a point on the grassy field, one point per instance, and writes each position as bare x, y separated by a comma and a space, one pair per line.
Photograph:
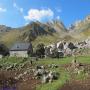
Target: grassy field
66, 60
64, 75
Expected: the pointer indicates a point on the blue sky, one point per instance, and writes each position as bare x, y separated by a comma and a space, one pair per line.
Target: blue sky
16, 13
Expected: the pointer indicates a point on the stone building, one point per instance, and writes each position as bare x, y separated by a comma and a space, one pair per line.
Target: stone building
21, 50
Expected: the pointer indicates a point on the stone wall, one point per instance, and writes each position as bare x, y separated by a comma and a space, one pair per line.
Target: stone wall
19, 53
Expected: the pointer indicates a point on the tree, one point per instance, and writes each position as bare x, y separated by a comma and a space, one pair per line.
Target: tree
71, 46
40, 51
4, 50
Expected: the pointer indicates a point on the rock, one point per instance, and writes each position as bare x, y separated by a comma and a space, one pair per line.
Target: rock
19, 77
44, 79
9, 68
39, 67
50, 80
52, 66
25, 72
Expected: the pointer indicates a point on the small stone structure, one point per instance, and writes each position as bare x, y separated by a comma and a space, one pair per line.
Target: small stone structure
21, 50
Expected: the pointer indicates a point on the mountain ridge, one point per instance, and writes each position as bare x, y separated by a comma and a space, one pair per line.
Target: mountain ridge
48, 32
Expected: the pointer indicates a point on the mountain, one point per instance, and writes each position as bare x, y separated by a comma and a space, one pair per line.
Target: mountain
57, 25
35, 29
49, 32
4, 29
36, 32
80, 29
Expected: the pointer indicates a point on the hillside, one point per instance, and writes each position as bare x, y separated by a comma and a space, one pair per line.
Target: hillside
81, 29
35, 32
10, 37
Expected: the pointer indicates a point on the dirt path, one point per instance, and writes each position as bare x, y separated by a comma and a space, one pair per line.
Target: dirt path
77, 85
7, 81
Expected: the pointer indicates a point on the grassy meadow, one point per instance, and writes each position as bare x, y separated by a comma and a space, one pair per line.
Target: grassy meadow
64, 75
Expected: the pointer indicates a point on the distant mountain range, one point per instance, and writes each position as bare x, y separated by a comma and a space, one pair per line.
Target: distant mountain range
4, 28
46, 33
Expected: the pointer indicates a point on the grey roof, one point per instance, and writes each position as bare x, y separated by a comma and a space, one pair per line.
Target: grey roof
20, 47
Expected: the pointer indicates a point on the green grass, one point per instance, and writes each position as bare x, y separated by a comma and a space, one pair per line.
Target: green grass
45, 39
66, 60
46, 61
10, 61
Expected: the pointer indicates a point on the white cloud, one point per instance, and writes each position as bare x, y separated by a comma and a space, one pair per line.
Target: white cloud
3, 9
39, 15
18, 8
